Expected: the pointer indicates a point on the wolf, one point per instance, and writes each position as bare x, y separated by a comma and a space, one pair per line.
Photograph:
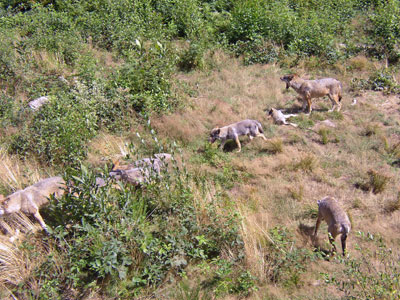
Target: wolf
308, 89
251, 128
30, 199
279, 118
336, 218
138, 172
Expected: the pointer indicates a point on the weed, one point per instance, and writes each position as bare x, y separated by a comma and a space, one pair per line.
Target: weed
373, 275
297, 193
375, 182
324, 134
303, 121
370, 129
393, 205
275, 146
306, 164
286, 262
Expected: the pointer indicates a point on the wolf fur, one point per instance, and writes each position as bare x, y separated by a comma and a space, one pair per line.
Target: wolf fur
251, 128
30, 199
138, 172
280, 118
336, 218
308, 89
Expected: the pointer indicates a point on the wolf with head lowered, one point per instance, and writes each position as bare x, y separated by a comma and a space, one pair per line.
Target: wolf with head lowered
251, 128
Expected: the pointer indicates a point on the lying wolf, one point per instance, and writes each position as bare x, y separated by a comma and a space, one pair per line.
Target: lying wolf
308, 89
336, 218
138, 172
280, 118
33, 197
251, 128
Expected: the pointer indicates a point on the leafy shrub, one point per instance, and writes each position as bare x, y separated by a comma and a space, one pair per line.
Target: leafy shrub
383, 81
375, 274
8, 57
56, 32
59, 131
385, 29
286, 262
184, 17
146, 77
132, 238
192, 58
256, 52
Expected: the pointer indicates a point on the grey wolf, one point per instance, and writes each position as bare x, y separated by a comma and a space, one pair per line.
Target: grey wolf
138, 172
30, 199
308, 89
251, 128
336, 218
280, 118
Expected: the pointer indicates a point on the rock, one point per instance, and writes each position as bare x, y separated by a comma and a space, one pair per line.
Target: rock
328, 123
37, 103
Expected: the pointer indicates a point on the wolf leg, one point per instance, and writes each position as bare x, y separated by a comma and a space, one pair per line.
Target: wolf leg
261, 136
238, 143
40, 219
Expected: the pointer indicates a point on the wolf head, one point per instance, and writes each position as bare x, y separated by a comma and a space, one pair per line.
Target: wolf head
287, 79
214, 135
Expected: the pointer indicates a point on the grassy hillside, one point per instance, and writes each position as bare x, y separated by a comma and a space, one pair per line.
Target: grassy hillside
127, 80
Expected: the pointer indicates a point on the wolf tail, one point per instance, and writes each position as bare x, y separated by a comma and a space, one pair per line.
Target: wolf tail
259, 127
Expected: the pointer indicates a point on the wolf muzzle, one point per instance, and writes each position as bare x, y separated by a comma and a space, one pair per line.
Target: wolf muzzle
212, 139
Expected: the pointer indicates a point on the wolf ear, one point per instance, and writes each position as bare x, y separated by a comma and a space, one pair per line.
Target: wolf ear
115, 164
218, 131
270, 112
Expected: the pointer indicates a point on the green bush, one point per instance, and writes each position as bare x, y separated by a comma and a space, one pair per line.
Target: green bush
125, 239
59, 131
147, 78
375, 274
286, 262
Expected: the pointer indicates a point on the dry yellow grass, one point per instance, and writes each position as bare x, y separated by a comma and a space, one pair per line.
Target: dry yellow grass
16, 174
284, 185
280, 180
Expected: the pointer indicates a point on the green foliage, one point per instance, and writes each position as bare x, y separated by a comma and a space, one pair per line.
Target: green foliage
50, 30
385, 31
256, 52
300, 29
224, 278
373, 275
286, 262
146, 77
133, 238
58, 132
192, 58
327, 136
383, 80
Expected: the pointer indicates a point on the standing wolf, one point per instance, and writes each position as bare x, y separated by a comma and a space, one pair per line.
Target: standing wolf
251, 128
308, 89
33, 197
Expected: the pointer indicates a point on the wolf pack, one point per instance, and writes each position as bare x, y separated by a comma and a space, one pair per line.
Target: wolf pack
30, 199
